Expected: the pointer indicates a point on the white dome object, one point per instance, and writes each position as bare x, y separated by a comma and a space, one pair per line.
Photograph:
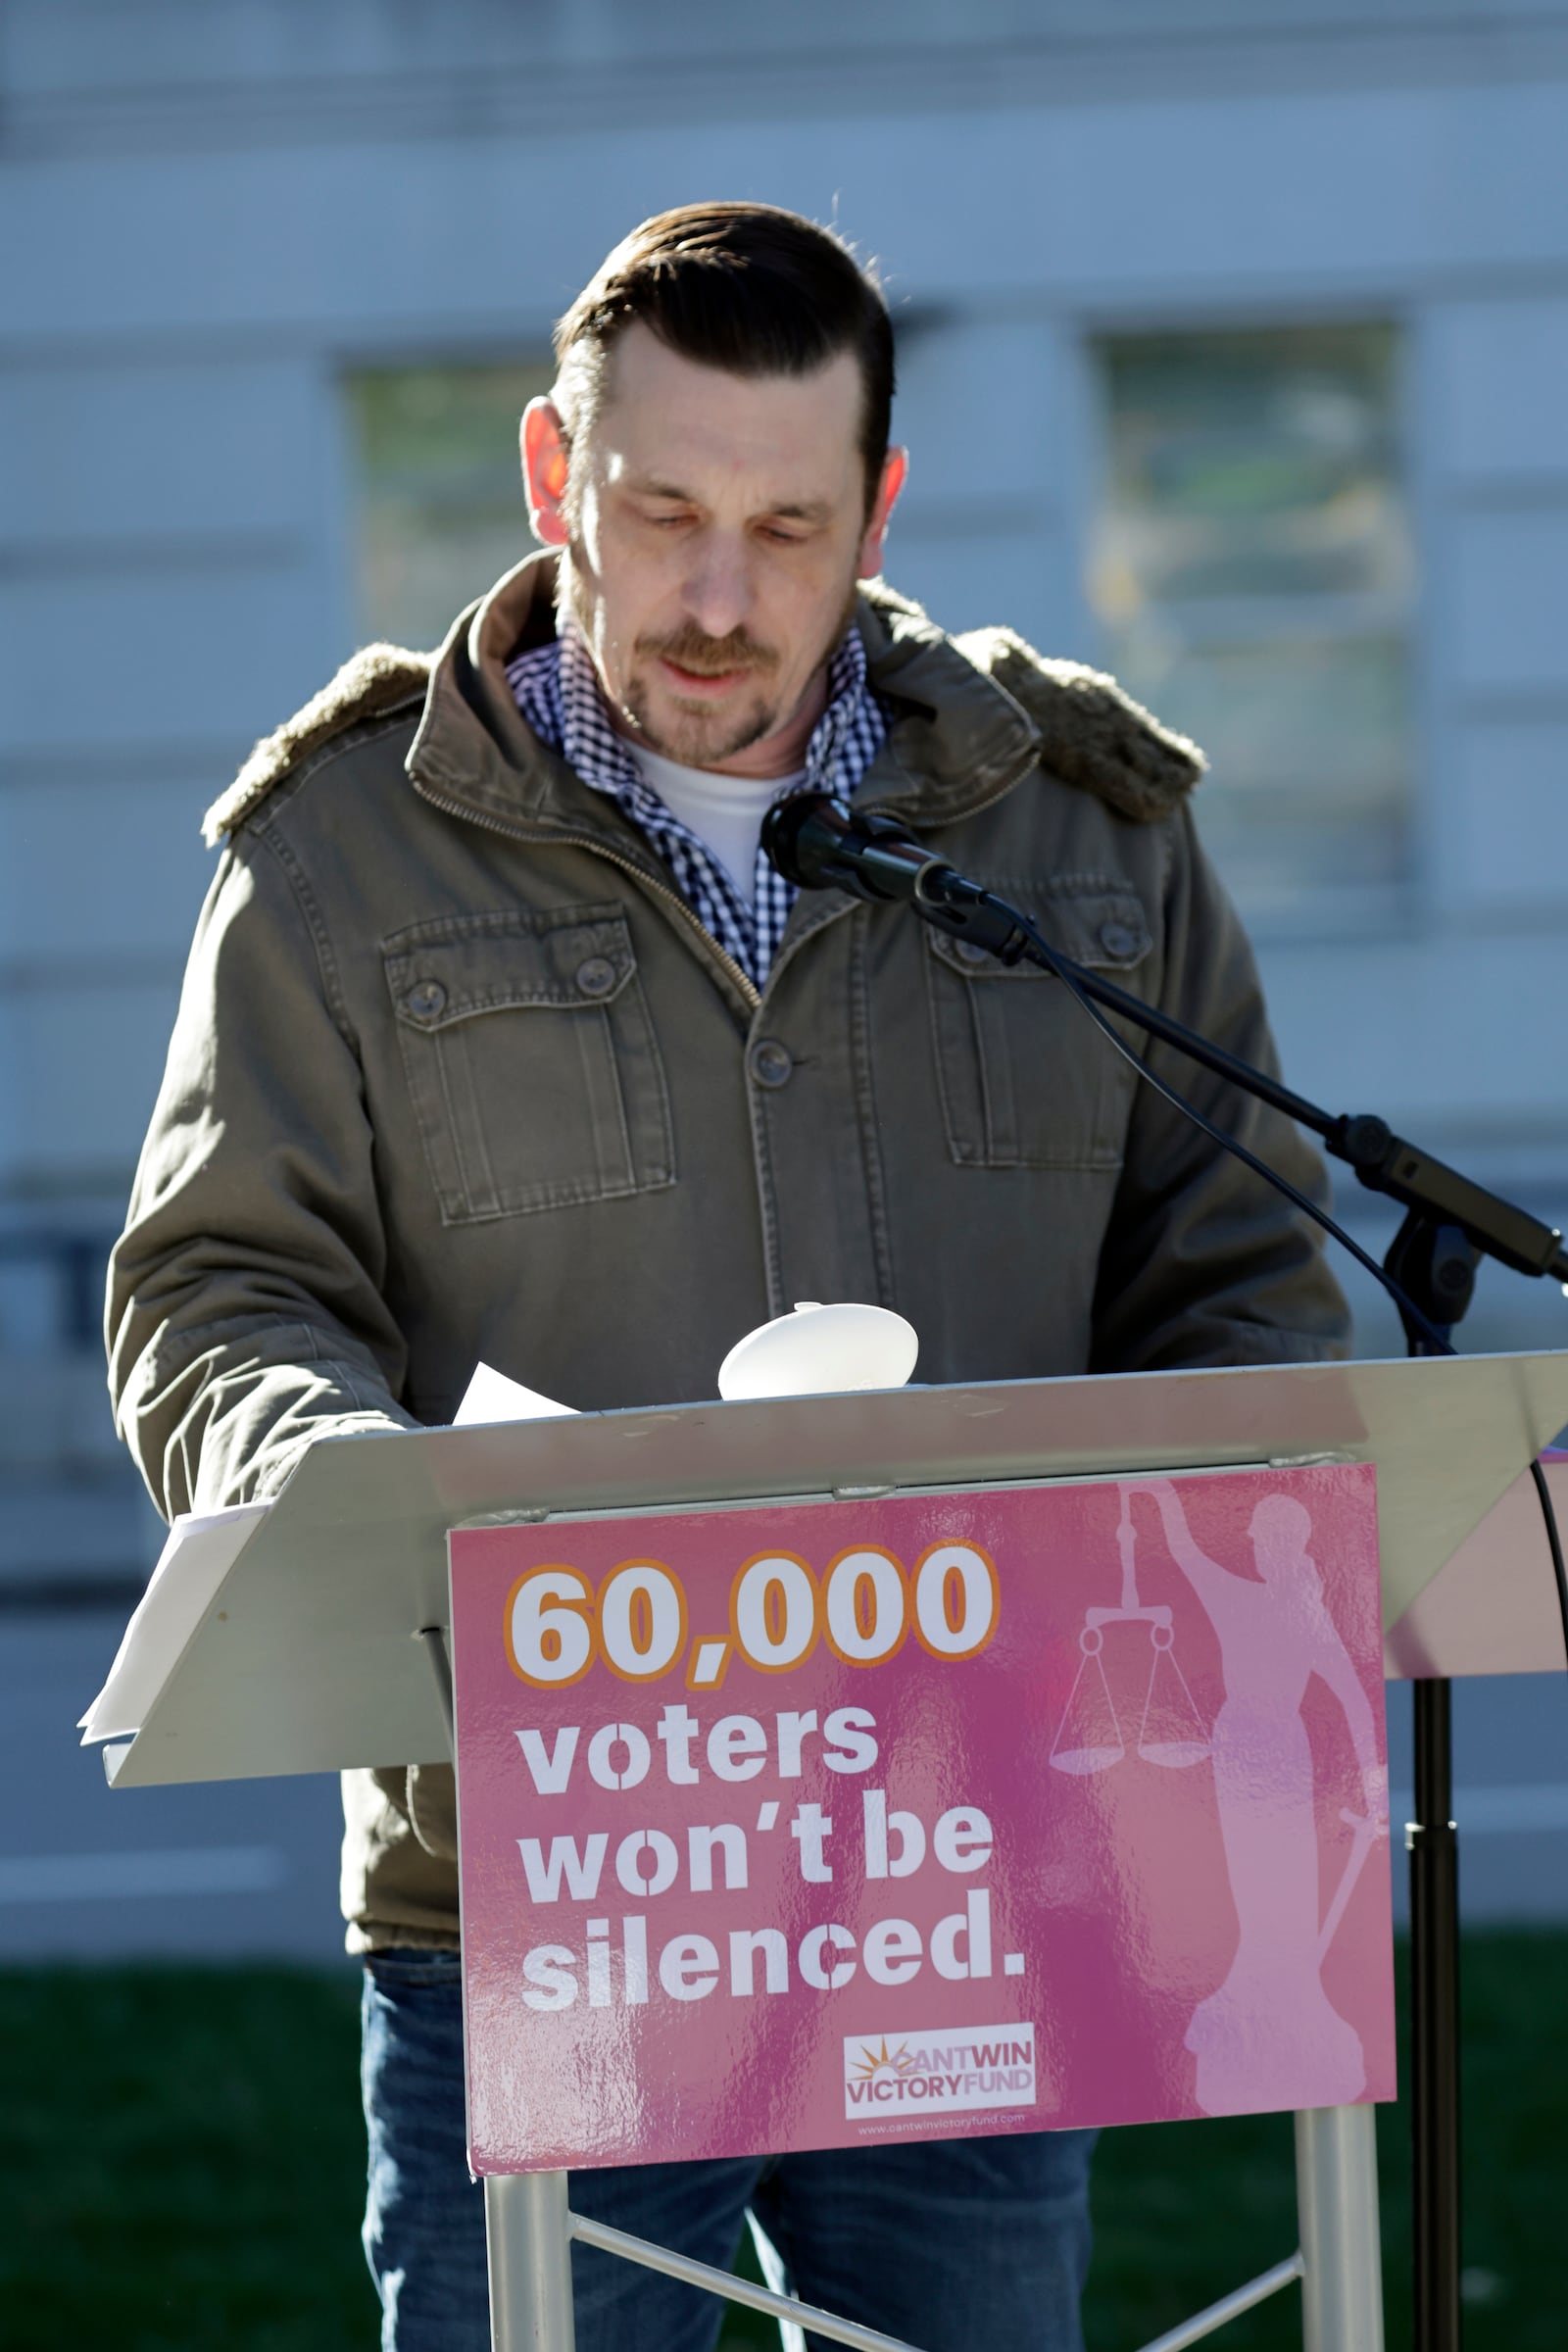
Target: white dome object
820, 1351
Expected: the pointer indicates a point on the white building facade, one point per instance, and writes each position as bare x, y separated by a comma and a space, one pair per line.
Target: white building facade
1234, 352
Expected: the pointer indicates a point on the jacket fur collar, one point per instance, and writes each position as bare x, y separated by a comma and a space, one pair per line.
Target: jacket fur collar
973, 709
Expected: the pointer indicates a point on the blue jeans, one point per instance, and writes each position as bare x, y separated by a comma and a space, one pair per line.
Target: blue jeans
964, 2245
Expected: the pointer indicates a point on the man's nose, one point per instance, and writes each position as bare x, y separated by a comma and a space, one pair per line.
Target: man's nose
719, 584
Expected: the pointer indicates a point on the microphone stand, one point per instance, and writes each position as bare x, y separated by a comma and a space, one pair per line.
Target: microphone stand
1434, 1264
1450, 1225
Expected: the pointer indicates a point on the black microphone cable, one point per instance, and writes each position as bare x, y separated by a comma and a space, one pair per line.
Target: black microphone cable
1555, 1539
1058, 967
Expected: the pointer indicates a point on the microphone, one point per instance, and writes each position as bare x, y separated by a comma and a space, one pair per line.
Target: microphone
819, 843
816, 842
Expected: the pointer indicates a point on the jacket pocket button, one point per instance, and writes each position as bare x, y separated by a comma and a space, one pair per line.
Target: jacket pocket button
1119, 939
426, 1000
969, 951
595, 976
772, 1064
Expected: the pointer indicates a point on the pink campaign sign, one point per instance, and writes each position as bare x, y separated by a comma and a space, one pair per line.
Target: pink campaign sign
798, 1826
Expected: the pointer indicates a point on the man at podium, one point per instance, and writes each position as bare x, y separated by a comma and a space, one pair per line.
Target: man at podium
502, 1041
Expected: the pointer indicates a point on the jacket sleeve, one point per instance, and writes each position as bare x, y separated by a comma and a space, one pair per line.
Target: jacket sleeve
1203, 1261
245, 1313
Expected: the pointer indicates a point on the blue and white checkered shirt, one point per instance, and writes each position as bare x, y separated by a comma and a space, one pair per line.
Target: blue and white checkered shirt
558, 694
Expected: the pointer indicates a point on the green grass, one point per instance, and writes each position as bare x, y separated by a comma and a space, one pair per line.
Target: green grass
1184, 2212
181, 2161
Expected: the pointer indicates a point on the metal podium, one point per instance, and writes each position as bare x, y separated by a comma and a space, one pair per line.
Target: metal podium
315, 1650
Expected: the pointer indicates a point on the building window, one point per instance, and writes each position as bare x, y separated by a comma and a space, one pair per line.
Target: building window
441, 510
1251, 572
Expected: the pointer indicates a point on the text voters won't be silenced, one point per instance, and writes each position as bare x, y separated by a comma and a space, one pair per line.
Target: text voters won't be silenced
648, 1863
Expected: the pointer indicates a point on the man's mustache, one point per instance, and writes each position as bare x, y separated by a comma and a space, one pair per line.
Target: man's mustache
691, 648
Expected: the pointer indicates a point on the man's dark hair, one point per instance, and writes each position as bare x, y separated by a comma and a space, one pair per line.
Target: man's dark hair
745, 287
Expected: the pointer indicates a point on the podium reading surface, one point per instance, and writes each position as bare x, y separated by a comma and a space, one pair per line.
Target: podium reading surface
304, 1661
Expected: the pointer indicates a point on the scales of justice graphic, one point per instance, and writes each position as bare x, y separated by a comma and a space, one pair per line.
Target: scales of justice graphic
1171, 1729
1275, 1633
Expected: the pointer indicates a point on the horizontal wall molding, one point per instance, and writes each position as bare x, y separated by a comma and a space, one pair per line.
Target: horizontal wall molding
55, 1182
1504, 492
507, 98
971, 519
61, 556
77, 971
1214, 299
92, 1199
1547, 701
59, 767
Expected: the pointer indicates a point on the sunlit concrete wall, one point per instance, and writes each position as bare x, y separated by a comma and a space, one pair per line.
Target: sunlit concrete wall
211, 212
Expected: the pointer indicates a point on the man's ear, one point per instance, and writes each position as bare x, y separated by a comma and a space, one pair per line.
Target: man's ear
544, 459
895, 474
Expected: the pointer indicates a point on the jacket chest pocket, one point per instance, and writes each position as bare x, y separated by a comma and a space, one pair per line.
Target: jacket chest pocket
1026, 1080
531, 1060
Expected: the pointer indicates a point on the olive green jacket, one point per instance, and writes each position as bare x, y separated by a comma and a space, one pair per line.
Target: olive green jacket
457, 1075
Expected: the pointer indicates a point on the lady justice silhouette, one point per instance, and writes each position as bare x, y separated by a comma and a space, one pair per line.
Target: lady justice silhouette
1269, 2025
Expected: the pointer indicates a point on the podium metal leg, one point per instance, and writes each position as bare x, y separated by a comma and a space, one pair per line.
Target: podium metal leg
1337, 2199
1435, 2025
527, 2230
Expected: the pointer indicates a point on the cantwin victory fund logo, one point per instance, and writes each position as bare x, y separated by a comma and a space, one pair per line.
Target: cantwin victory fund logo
944, 2073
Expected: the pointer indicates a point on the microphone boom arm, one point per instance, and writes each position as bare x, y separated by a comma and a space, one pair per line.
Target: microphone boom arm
819, 843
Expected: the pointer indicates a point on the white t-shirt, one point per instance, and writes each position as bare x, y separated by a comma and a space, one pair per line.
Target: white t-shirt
724, 811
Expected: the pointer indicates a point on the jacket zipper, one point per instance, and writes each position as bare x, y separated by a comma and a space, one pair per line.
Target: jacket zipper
575, 841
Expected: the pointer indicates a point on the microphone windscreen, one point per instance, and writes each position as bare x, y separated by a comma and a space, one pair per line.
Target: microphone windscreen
801, 836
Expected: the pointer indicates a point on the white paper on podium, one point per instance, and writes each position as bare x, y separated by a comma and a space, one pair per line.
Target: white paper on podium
203, 1546
491, 1396
198, 1553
